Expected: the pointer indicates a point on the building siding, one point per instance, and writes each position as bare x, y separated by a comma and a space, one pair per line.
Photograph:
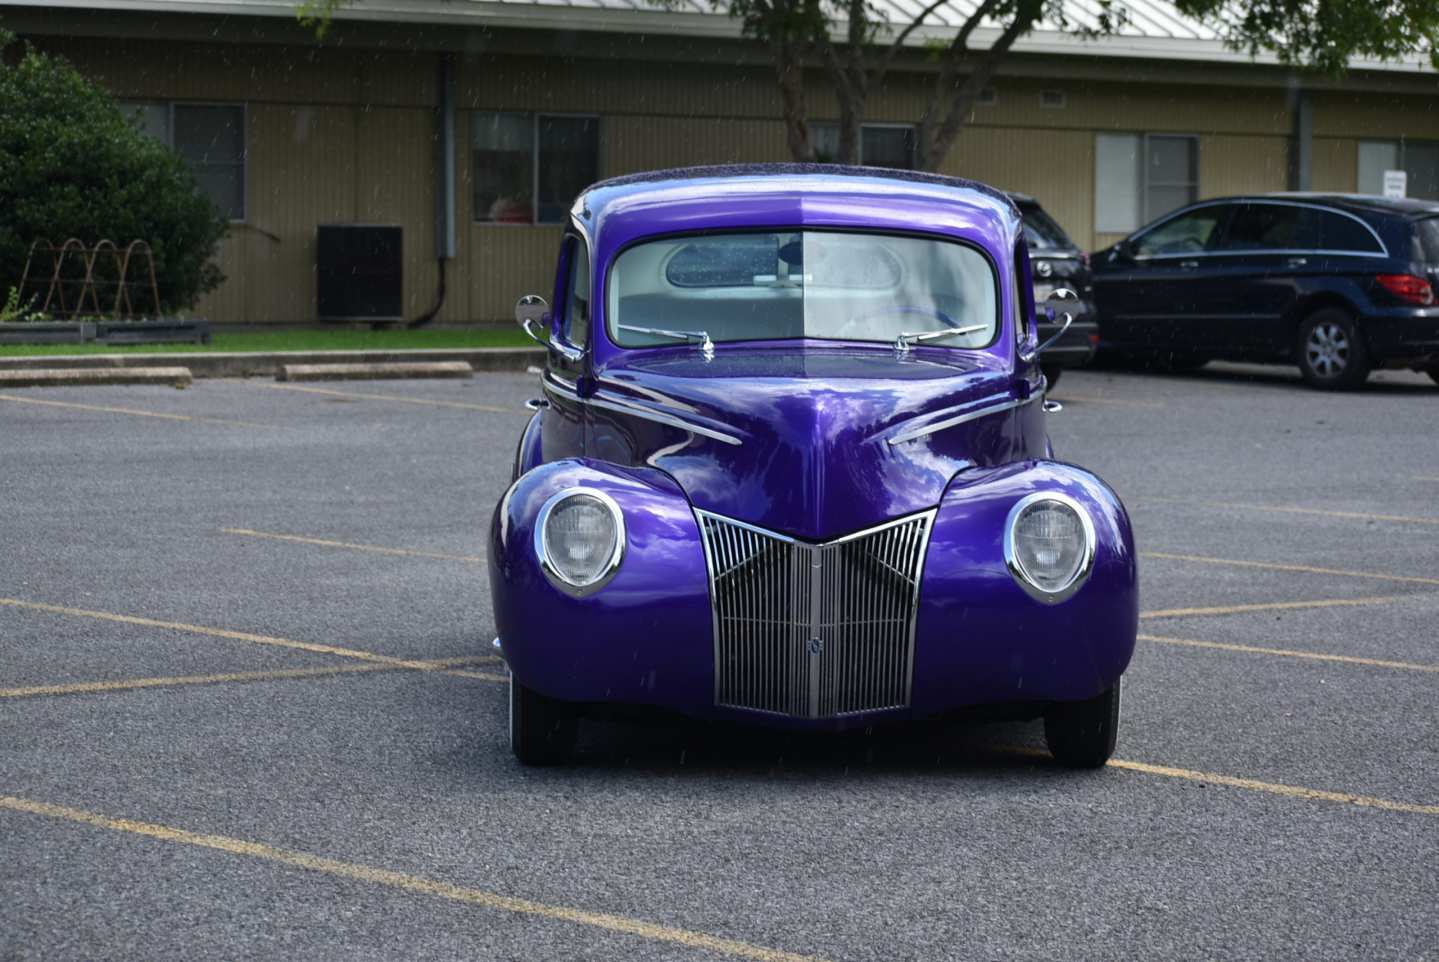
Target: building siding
338, 136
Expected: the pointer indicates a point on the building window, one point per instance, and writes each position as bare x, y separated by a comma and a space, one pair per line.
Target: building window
1140, 177
210, 138
880, 145
1417, 158
528, 168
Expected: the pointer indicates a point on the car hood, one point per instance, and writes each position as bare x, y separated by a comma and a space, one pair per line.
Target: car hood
813, 442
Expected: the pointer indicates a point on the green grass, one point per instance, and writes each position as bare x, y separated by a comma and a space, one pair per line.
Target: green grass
311, 339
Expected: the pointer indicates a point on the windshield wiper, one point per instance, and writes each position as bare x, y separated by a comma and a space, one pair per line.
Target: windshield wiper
707, 346
904, 340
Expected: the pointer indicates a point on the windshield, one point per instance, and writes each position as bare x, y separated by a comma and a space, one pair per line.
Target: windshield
801, 284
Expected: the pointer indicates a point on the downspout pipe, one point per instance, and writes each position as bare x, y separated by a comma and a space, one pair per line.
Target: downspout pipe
444, 185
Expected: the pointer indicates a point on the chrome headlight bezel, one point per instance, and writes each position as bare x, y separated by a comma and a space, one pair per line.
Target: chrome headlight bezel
1049, 596
542, 550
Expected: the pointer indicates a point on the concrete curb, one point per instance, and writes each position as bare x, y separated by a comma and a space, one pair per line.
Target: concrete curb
369, 372
268, 365
75, 377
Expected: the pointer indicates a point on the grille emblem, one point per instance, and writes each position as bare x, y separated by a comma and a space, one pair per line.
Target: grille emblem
814, 630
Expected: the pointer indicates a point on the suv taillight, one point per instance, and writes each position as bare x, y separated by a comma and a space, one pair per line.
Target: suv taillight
1408, 288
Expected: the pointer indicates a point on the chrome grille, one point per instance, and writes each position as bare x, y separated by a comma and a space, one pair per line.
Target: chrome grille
810, 630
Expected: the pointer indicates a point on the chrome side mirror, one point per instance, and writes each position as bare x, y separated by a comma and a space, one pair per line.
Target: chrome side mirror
532, 312
1057, 307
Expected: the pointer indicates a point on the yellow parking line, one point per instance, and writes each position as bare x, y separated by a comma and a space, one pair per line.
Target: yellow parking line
1303, 569
1273, 788
109, 409
223, 633
415, 884
131, 684
1265, 606
1295, 509
1291, 653
1251, 784
377, 549
365, 396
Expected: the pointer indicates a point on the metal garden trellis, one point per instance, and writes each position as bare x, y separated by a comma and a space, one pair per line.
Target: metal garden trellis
77, 274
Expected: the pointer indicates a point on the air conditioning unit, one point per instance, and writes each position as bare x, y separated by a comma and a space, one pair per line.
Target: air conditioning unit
359, 272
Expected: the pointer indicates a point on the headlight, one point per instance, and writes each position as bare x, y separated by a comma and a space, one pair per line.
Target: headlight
580, 539
1049, 545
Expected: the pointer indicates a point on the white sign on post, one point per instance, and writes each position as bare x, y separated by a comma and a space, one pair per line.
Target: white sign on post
1396, 183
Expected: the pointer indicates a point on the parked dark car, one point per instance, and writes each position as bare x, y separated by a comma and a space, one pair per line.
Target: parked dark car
1338, 284
1056, 261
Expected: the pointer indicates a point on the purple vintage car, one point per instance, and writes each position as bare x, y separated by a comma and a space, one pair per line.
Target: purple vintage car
791, 468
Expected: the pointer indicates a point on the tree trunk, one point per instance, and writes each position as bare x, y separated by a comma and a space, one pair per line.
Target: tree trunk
789, 65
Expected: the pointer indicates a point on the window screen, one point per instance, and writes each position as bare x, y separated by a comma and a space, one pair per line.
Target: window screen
887, 147
211, 138
1116, 183
502, 151
1375, 157
1170, 180
529, 168
880, 145
569, 149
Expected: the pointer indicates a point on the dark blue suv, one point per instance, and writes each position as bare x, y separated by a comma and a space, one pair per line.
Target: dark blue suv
1338, 284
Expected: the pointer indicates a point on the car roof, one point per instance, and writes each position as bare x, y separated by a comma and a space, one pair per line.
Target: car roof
741, 178
688, 200
1412, 207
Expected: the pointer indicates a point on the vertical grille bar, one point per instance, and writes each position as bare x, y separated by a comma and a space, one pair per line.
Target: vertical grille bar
814, 631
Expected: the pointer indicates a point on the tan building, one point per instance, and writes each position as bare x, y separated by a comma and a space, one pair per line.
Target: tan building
471, 124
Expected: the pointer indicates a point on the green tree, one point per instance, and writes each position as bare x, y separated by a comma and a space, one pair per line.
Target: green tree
73, 164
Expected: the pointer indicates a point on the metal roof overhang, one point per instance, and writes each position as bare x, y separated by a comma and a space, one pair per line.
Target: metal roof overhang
1155, 32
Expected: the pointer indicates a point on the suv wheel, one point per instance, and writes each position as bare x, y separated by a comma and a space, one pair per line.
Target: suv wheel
1331, 353
1434, 374
542, 730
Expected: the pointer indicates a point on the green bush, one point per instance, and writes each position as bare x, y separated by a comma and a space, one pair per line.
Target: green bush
73, 164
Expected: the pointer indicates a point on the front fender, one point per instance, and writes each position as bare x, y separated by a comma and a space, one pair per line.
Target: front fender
646, 637
977, 630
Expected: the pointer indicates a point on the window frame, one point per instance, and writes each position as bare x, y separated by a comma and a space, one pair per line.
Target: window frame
576, 247
878, 125
1222, 229
534, 116
996, 278
1142, 182
169, 140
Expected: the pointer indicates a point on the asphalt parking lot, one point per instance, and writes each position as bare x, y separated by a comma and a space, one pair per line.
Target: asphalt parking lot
248, 707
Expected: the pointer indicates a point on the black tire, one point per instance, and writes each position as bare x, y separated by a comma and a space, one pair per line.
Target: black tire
542, 730
1434, 374
1051, 374
1330, 351
1081, 734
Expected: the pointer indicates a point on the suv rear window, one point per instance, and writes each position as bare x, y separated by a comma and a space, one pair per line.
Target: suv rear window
1041, 232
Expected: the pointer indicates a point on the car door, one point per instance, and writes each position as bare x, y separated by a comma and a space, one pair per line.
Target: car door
1261, 261
1151, 287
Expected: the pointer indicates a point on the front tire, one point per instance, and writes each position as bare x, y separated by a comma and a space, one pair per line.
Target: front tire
1081, 734
542, 730
1331, 352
